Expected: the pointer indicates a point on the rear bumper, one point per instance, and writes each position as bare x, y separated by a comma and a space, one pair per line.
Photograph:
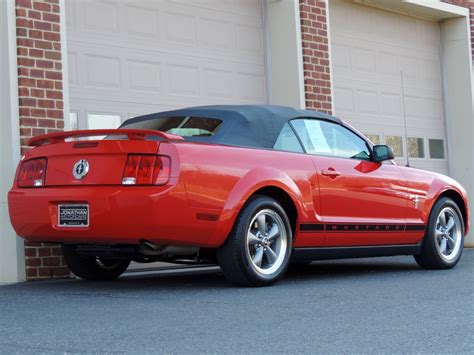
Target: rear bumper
117, 214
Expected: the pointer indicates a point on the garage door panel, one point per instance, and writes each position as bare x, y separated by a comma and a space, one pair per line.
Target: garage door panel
144, 76
179, 28
341, 58
391, 104
250, 39
367, 101
363, 60
73, 74
407, 29
386, 25
182, 79
360, 21
250, 86
102, 71
409, 67
372, 49
101, 16
424, 109
430, 70
345, 99
215, 33
141, 22
218, 83
430, 35
71, 14
387, 64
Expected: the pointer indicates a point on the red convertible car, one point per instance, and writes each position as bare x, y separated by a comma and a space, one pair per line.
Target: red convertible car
252, 188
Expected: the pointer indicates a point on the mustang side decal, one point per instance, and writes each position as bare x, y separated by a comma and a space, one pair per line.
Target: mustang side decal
342, 227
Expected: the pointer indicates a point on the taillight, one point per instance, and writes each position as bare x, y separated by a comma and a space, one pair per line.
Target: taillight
32, 173
145, 169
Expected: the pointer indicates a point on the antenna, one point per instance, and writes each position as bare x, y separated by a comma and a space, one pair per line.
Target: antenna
404, 119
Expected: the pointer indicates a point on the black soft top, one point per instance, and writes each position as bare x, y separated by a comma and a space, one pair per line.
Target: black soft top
242, 125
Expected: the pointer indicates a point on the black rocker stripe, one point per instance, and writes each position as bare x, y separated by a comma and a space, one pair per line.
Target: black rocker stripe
415, 227
355, 228
311, 227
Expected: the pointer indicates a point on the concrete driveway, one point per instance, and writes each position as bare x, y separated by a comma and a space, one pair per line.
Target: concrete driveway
384, 305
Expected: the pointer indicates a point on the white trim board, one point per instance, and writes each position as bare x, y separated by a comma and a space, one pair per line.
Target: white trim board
285, 54
12, 264
64, 61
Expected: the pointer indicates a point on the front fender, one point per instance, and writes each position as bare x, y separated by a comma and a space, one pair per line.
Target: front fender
251, 182
442, 187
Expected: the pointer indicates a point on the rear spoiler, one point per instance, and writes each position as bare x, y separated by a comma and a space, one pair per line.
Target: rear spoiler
132, 134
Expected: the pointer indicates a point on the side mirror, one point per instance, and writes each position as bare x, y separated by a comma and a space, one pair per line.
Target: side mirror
382, 152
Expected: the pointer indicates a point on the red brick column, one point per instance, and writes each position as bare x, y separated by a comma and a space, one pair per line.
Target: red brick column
315, 42
41, 103
470, 5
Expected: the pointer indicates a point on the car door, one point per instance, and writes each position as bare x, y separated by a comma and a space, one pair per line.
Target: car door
308, 236
362, 202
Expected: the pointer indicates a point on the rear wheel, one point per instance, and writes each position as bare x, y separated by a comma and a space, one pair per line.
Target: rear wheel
91, 267
444, 239
257, 251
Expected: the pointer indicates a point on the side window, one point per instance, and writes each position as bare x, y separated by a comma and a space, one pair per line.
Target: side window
330, 139
287, 141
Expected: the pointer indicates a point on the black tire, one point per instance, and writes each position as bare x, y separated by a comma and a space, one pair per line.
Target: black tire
234, 256
92, 268
431, 257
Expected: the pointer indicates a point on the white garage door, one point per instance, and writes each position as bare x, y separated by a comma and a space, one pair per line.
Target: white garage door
127, 58
371, 50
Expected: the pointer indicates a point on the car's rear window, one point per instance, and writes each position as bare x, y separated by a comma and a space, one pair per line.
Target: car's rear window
182, 126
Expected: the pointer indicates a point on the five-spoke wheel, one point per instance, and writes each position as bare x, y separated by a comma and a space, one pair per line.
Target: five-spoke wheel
448, 233
257, 251
266, 241
444, 238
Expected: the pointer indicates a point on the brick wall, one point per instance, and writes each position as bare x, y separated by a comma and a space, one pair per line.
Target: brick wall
315, 42
470, 5
41, 103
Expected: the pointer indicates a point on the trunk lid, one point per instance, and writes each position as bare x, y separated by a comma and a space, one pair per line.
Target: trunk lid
92, 162
104, 162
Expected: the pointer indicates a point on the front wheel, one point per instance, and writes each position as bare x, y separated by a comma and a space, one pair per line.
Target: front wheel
444, 239
257, 252
91, 267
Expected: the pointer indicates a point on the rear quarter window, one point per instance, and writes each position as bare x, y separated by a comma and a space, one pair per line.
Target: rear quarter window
287, 141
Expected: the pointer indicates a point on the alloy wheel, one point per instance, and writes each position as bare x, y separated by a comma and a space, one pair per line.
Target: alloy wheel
267, 241
448, 238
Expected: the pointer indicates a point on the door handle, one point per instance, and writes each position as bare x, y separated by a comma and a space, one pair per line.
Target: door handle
330, 172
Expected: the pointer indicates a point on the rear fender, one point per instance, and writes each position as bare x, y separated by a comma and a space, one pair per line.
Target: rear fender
251, 182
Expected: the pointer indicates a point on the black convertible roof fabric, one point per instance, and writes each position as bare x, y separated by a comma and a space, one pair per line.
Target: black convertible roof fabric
242, 125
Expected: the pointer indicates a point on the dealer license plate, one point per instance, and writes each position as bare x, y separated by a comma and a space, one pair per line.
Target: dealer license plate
73, 215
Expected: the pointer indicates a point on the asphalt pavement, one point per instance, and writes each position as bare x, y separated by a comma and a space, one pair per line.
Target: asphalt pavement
380, 305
